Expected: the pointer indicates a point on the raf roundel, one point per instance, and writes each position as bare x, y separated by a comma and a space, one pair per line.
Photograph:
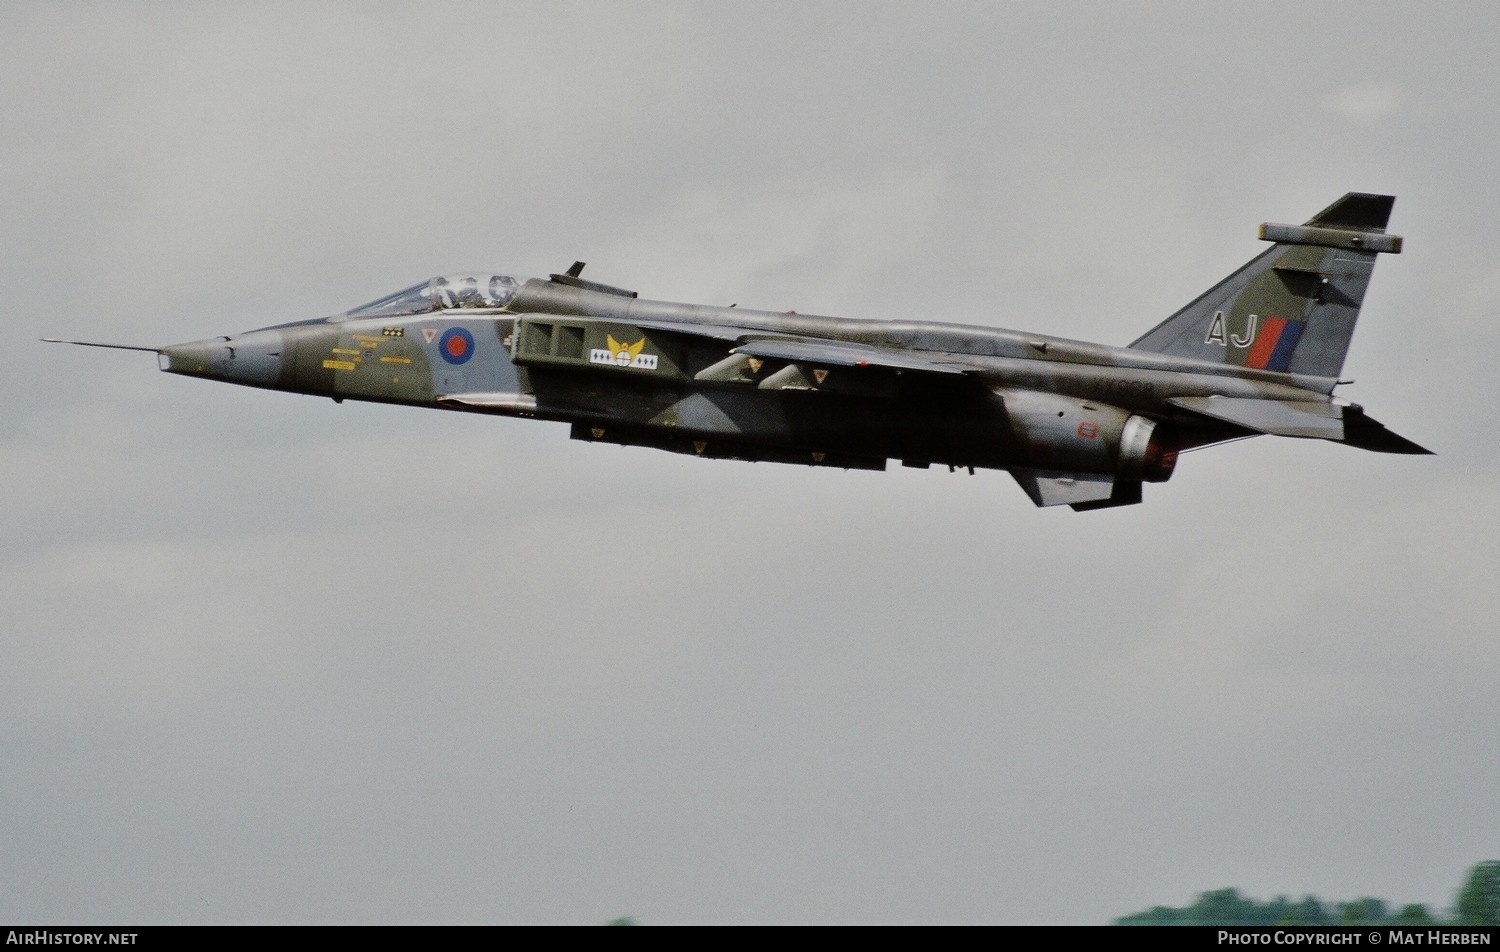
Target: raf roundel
456, 345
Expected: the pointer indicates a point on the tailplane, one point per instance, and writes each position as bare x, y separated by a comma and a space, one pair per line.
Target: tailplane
1293, 307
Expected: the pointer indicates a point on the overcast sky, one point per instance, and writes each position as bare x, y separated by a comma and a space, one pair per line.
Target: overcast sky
270, 659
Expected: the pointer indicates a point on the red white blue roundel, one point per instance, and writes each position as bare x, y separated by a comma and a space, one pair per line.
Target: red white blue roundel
456, 345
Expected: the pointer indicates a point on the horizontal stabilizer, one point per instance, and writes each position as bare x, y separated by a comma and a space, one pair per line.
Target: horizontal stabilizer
1312, 419
1368, 434
1346, 424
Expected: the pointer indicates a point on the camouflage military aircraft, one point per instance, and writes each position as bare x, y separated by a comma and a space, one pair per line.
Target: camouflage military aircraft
1074, 423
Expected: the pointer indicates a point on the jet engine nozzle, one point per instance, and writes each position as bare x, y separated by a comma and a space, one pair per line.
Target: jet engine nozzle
1148, 450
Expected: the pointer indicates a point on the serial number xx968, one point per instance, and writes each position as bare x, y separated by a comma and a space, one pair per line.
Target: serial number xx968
1134, 388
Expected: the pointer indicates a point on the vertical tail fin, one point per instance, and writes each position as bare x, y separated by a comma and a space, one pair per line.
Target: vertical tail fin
1293, 307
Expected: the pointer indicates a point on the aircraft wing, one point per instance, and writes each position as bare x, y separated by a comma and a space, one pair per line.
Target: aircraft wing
845, 354
756, 342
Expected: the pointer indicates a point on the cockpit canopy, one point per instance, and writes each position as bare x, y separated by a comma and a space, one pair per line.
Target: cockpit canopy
443, 293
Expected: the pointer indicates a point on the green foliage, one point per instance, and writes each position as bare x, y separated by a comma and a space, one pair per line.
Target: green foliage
1415, 914
1478, 904
1364, 912
1309, 912
1227, 907
1479, 900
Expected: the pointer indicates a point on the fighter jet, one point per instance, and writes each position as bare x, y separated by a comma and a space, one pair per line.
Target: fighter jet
1075, 423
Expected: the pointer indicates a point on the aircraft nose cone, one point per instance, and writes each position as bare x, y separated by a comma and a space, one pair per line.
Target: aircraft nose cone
253, 358
206, 357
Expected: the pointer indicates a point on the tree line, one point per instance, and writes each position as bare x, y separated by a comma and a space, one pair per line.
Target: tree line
1477, 904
